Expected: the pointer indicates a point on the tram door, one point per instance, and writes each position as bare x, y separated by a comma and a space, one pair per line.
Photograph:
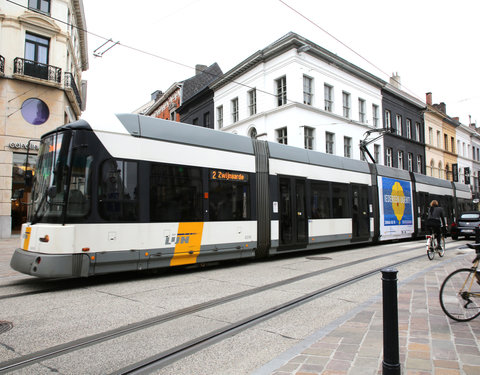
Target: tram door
293, 217
360, 212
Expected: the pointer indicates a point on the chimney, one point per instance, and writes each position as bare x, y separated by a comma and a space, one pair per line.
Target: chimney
442, 107
156, 94
199, 69
457, 119
395, 80
429, 98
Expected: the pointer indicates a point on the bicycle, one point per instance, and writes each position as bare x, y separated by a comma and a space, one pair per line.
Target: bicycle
460, 291
433, 246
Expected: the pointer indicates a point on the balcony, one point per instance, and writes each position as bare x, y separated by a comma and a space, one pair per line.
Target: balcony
2, 64
70, 82
37, 70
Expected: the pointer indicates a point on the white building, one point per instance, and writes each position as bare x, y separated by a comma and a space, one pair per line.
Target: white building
43, 52
298, 93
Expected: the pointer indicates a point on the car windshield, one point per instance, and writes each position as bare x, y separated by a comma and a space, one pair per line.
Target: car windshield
472, 216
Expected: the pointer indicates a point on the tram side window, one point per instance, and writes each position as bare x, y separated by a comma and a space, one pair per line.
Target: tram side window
175, 193
340, 200
229, 200
117, 193
321, 200
79, 192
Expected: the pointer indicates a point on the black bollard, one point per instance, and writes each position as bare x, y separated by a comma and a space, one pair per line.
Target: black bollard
391, 356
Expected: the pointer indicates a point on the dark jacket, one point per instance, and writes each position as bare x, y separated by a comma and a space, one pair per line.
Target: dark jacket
436, 216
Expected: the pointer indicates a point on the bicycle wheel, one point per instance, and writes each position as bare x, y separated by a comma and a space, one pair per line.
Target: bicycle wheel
431, 248
460, 295
441, 251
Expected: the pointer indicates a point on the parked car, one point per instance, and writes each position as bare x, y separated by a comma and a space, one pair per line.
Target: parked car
465, 225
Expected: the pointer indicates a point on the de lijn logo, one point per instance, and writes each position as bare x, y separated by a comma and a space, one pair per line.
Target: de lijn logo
180, 238
397, 202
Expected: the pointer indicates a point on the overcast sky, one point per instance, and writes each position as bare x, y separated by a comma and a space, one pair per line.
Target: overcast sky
434, 45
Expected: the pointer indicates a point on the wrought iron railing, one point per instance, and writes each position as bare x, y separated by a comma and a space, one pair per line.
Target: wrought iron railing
2, 64
70, 82
38, 70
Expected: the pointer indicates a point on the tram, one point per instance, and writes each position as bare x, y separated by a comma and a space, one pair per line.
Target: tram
143, 193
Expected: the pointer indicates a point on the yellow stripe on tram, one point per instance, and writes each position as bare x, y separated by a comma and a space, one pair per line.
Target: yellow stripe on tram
26, 242
188, 242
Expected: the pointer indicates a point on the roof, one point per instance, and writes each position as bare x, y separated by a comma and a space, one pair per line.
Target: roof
286, 43
189, 87
198, 82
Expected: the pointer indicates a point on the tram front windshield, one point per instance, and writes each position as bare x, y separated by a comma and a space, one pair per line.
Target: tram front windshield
59, 191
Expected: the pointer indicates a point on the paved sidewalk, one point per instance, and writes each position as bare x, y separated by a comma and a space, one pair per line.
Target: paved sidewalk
7, 247
430, 342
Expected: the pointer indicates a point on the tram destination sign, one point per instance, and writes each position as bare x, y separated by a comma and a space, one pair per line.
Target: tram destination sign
221, 175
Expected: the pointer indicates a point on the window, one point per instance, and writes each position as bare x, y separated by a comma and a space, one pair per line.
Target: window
409, 128
282, 136
440, 169
400, 164
432, 167
328, 97
252, 102
253, 133
388, 156
362, 116
399, 125
418, 132
452, 144
176, 193
307, 90
281, 85
173, 116
410, 162
206, 119
430, 136
36, 48
80, 185
463, 149
117, 191
376, 119
220, 116
346, 104
234, 105
35, 111
388, 119
340, 202
445, 141
329, 143
228, 200
419, 164
41, 5
473, 148
309, 137
320, 200
439, 144
376, 153
347, 147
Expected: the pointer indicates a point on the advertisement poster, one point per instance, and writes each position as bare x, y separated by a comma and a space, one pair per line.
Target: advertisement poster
396, 208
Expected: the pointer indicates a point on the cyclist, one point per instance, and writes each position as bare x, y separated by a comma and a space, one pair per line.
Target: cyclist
436, 220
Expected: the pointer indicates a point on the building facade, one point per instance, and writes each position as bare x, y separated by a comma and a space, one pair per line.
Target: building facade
189, 101
297, 93
403, 115
43, 52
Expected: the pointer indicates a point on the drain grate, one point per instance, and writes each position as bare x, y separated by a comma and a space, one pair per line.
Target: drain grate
5, 326
318, 258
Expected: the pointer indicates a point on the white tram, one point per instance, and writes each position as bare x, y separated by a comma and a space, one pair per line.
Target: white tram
147, 193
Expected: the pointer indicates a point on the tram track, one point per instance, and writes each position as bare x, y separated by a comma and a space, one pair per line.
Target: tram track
173, 354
